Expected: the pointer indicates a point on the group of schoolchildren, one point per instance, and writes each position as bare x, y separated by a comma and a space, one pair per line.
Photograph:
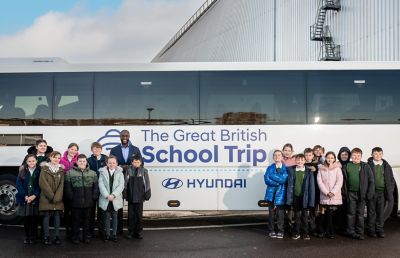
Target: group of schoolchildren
72, 185
315, 193
309, 193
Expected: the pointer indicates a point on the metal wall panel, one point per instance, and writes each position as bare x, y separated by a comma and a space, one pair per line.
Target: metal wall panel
278, 30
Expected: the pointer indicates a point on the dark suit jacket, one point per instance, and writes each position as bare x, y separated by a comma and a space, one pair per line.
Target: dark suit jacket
117, 152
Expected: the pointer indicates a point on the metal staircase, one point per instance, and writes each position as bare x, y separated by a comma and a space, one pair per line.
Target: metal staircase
319, 32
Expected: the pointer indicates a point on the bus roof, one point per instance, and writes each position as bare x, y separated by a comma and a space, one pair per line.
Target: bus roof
59, 65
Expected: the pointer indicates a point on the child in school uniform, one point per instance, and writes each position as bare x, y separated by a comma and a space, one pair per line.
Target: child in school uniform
359, 188
314, 211
27, 197
111, 186
81, 190
138, 191
384, 188
330, 181
51, 183
300, 195
287, 152
96, 161
275, 178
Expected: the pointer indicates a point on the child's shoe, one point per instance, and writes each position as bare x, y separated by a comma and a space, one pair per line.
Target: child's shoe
296, 237
272, 235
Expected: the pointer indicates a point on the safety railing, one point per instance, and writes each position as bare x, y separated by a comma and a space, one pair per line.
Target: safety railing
192, 20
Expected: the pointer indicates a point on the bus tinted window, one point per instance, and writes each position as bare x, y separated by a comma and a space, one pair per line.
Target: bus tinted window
147, 97
252, 97
25, 97
364, 97
73, 96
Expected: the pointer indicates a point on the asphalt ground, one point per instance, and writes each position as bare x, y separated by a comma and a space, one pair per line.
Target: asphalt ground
214, 237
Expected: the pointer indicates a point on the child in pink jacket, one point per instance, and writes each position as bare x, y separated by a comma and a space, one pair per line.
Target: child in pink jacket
330, 181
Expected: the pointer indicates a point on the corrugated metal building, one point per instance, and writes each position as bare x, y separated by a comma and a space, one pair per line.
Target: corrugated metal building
279, 30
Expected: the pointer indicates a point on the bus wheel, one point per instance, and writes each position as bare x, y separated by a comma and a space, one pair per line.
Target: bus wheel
7, 199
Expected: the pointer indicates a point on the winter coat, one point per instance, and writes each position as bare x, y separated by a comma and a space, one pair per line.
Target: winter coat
117, 188
314, 173
276, 184
367, 182
330, 179
52, 188
308, 187
95, 164
66, 163
81, 188
138, 185
23, 184
388, 177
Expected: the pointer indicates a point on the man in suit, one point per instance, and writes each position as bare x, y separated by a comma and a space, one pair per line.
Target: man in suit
125, 150
124, 153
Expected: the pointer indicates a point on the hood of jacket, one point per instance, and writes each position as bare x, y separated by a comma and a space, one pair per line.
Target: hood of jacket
323, 167
32, 150
105, 169
344, 149
47, 164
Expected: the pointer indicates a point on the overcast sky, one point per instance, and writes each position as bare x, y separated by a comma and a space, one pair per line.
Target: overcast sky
82, 31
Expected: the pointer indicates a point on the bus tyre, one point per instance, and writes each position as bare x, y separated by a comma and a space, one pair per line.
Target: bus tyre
8, 200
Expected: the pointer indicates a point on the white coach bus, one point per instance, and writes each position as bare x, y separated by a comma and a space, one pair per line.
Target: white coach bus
206, 130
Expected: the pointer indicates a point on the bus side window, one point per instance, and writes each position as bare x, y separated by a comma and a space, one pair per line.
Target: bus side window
12, 112
42, 111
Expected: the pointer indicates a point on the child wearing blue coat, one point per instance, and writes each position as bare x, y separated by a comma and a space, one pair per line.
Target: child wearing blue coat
275, 178
27, 196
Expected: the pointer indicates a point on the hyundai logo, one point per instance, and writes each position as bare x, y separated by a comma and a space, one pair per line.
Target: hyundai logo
172, 183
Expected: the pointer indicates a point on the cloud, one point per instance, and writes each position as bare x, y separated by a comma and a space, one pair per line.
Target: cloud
135, 32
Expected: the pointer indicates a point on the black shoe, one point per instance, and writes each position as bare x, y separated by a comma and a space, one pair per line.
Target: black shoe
46, 241
138, 236
114, 238
372, 234
86, 240
27, 241
75, 241
321, 235
381, 235
129, 236
360, 237
106, 238
57, 241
